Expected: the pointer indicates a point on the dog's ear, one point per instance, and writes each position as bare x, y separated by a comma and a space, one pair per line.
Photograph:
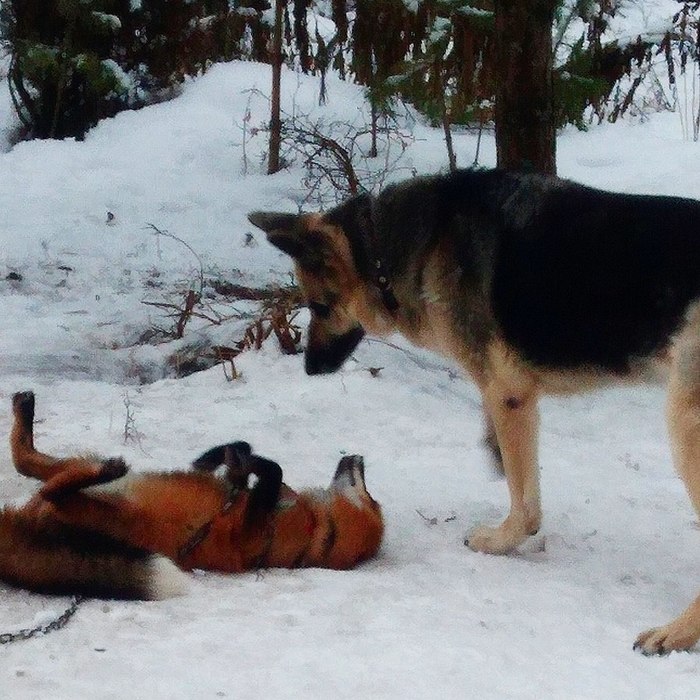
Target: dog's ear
282, 231
288, 233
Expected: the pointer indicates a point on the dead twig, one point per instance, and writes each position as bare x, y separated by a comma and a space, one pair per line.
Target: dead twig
166, 234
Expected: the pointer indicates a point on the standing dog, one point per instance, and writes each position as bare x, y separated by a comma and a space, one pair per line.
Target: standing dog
95, 529
534, 285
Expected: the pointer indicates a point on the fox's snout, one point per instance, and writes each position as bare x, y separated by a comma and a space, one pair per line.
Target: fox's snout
350, 475
348, 466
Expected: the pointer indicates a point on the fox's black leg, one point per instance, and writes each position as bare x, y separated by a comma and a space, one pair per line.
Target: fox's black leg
27, 460
234, 456
23, 407
240, 463
82, 475
216, 456
265, 493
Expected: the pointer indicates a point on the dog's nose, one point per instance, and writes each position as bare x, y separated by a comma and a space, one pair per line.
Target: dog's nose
327, 357
315, 363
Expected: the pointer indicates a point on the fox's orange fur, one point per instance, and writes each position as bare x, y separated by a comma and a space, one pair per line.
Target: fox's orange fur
93, 527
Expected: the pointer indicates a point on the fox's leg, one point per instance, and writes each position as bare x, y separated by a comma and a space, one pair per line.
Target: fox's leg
683, 416
73, 479
265, 494
240, 463
26, 459
210, 460
108, 511
233, 455
511, 402
46, 557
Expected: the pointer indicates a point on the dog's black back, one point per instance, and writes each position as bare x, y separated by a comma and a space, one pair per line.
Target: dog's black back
598, 278
574, 276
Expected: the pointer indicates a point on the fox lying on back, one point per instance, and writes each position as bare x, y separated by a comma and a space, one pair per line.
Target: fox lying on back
94, 528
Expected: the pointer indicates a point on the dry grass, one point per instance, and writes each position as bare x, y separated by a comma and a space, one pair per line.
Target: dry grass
276, 317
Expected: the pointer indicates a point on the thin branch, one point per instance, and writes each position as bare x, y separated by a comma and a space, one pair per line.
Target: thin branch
162, 232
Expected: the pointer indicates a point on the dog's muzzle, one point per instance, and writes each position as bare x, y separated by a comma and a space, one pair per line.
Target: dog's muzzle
329, 357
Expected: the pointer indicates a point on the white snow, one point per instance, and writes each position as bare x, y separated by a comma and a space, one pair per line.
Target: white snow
619, 549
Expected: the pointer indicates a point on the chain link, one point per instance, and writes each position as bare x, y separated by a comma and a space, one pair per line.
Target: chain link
57, 624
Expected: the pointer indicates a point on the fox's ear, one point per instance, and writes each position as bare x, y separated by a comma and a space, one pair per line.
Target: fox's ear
282, 231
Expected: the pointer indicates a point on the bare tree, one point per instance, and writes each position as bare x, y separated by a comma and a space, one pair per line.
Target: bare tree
525, 130
273, 163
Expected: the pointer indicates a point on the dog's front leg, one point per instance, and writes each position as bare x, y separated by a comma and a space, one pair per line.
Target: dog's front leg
515, 419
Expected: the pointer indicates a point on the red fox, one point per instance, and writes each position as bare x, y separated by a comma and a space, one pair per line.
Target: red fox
97, 529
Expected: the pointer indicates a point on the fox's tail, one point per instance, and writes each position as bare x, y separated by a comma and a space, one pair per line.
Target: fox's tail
48, 557
42, 554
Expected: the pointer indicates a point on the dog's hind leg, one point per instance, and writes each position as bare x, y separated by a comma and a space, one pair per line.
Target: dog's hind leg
510, 399
491, 443
683, 414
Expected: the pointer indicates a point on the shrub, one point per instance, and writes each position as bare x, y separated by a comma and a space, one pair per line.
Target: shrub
61, 77
74, 62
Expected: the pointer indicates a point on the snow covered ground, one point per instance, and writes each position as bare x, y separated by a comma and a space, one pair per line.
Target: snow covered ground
619, 550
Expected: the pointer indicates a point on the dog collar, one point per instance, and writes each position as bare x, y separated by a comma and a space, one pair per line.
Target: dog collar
369, 245
384, 286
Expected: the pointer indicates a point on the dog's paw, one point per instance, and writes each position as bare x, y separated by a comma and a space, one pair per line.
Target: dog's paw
676, 636
495, 540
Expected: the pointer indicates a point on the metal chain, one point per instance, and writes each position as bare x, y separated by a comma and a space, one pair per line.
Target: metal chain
57, 624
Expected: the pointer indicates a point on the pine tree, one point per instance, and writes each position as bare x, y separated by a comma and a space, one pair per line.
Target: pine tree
61, 78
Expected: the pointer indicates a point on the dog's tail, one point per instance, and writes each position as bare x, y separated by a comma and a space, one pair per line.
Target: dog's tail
48, 557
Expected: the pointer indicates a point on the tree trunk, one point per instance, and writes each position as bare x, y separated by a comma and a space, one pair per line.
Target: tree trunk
525, 132
447, 130
273, 162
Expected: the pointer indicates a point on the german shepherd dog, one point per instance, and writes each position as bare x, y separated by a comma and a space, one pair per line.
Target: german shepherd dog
534, 285
95, 529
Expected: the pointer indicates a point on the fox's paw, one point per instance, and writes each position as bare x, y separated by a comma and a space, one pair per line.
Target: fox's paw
112, 468
231, 455
23, 405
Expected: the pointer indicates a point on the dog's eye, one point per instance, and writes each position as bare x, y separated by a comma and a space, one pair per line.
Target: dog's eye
321, 310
